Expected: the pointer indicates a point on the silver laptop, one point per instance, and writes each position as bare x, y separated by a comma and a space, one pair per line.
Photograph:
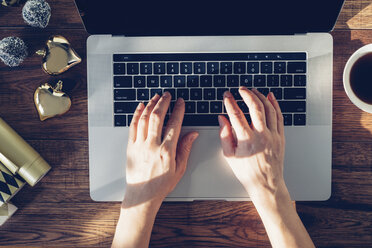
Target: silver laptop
197, 50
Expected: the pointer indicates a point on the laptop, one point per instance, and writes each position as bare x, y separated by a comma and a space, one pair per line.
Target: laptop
197, 50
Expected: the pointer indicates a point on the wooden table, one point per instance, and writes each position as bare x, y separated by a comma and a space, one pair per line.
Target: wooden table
59, 212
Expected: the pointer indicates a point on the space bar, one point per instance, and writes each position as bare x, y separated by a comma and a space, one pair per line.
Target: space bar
200, 120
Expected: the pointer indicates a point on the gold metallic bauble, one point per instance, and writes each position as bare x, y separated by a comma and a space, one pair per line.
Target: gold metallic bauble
51, 102
58, 55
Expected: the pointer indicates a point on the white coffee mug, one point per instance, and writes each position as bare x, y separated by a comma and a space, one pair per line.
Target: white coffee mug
346, 77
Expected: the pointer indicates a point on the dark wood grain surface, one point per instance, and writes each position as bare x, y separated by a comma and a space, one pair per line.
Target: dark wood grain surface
58, 211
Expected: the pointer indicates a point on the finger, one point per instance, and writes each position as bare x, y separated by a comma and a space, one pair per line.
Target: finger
157, 117
173, 128
279, 114
237, 118
134, 122
143, 124
183, 153
256, 108
270, 114
228, 142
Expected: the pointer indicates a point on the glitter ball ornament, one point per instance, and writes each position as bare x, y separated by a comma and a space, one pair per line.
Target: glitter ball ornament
36, 13
13, 51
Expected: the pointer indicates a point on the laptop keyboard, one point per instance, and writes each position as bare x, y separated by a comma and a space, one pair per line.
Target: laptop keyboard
202, 78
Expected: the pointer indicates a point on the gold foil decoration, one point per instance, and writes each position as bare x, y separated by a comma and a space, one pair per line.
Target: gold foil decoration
51, 102
9, 2
58, 55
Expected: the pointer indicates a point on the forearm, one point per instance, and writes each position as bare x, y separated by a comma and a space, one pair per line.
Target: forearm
281, 221
134, 226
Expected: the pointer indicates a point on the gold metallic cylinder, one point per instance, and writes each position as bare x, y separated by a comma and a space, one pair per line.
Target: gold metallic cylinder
19, 157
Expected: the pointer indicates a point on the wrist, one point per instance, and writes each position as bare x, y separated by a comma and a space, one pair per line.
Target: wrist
270, 199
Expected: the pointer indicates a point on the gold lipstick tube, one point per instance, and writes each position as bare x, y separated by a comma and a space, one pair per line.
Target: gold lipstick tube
19, 157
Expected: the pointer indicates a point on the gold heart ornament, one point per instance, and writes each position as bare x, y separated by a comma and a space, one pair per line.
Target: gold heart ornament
51, 101
58, 55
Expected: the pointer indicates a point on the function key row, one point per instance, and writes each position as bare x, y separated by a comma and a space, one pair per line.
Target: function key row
209, 68
260, 80
123, 120
209, 56
204, 94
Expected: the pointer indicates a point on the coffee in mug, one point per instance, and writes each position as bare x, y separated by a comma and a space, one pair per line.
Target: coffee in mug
358, 78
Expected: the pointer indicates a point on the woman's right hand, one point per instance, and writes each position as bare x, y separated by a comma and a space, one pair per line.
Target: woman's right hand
254, 152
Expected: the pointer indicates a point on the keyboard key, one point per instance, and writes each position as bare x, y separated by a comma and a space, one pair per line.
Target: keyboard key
186, 68
216, 107
280, 67
146, 68
219, 81
239, 67
165, 81
127, 94
183, 93
299, 80
273, 80
153, 92
192, 81
287, 118
232, 81
190, 107
172, 92
179, 81
259, 80
295, 93
199, 68
200, 120
172, 68
220, 93
243, 107
226, 67
203, 107
246, 80
159, 68
139, 81
132, 68
299, 119
252, 67
292, 106
119, 68
205, 81
296, 67
209, 94
213, 67
143, 94
120, 120
125, 107
266, 67
263, 91
152, 81
286, 80
278, 93
235, 93
123, 82
196, 94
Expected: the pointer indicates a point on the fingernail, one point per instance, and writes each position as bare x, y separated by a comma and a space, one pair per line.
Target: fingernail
220, 121
140, 106
243, 88
166, 95
180, 100
227, 94
272, 96
194, 136
255, 90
